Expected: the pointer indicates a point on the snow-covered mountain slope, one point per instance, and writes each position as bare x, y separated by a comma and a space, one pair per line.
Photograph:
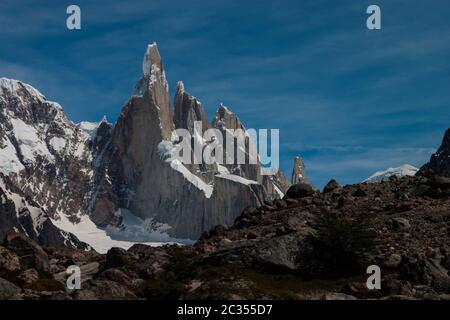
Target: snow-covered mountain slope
19, 214
44, 153
403, 170
52, 161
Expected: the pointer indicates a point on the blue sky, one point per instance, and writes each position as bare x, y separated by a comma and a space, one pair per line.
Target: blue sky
351, 101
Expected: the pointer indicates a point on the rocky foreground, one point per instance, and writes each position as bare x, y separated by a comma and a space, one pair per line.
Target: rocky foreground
310, 245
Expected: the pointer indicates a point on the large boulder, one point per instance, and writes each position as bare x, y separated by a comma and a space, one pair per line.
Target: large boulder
331, 186
284, 252
438, 274
116, 257
299, 190
149, 261
8, 260
29, 252
7, 289
102, 289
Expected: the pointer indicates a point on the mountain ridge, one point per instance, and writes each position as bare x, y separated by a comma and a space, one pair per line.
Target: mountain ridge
101, 169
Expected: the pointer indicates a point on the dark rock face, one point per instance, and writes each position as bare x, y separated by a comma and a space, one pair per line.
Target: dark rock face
439, 164
8, 218
101, 138
116, 257
52, 236
9, 261
188, 110
7, 289
40, 144
29, 219
28, 251
299, 190
331, 186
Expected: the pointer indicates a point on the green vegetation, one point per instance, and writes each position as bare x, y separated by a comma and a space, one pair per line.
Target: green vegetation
342, 244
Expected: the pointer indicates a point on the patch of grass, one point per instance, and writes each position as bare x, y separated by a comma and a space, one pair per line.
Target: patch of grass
291, 286
262, 284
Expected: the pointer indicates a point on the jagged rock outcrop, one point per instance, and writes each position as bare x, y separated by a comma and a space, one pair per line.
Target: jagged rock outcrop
439, 164
188, 110
189, 115
122, 172
275, 186
299, 190
331, 186
46, 165
7, 289
233, 131
100, 137
299, 172
44, 153
138, 175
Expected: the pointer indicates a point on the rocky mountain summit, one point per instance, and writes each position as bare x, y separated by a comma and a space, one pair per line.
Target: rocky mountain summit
121, 176
188, 198
299, 172
43, 153
44, 165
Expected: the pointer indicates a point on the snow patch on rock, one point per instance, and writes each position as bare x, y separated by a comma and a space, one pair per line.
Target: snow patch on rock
192, 178
11, 86
236, 178
9, 162
58, 143
89, 127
